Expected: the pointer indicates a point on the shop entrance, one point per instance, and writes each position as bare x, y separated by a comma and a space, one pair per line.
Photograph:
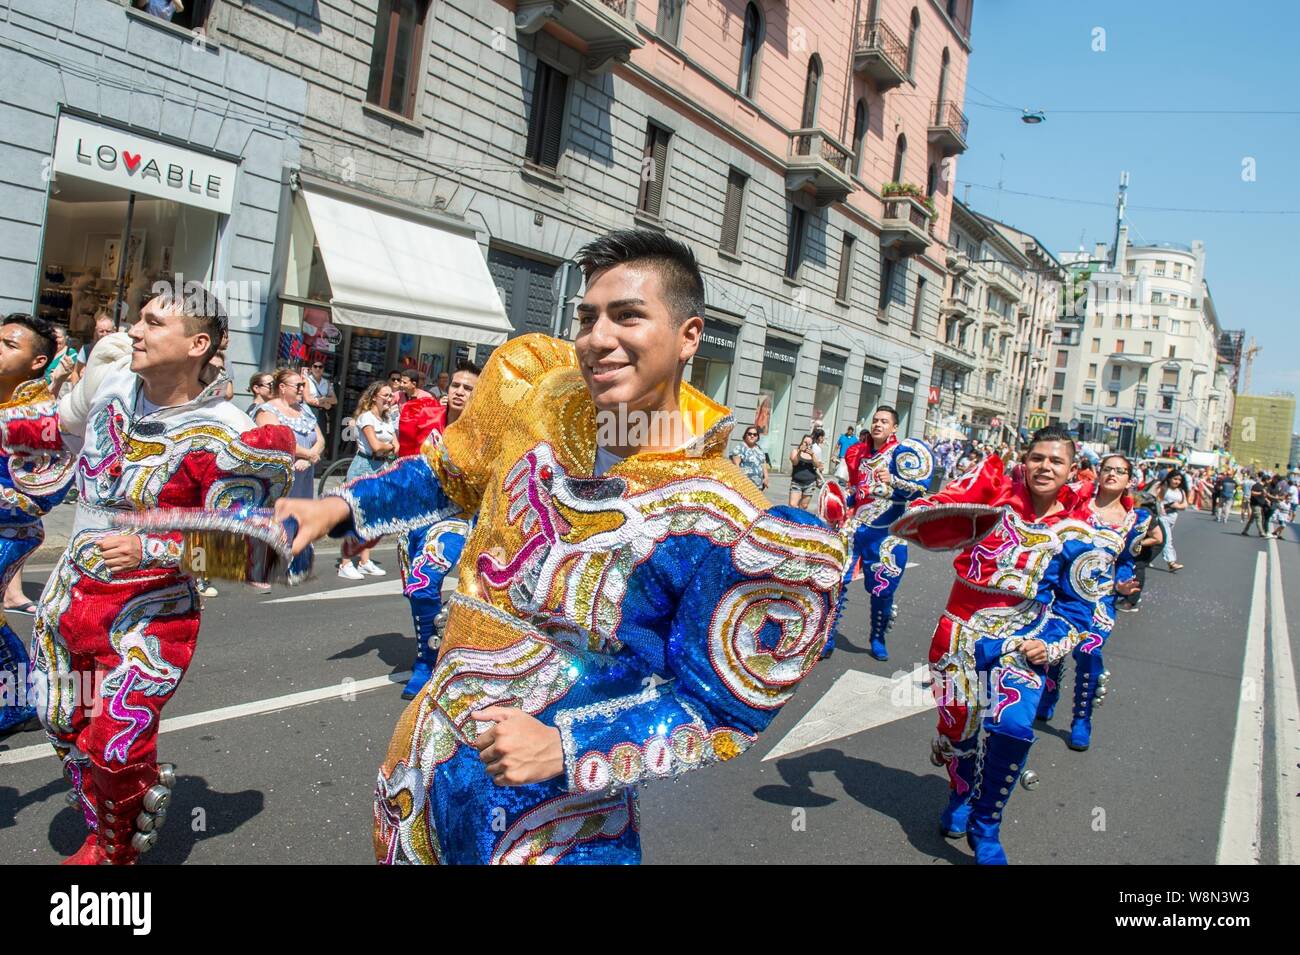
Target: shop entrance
104, 247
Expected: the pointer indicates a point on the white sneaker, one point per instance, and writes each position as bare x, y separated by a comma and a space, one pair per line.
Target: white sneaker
373, 569
348, 571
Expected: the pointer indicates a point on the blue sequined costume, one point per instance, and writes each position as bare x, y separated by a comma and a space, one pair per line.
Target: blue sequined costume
427, 556
879, 501
657, 616
1094, 612
26, 493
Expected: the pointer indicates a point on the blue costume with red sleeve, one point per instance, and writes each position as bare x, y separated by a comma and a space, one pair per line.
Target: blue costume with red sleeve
881, 483
1012, 567
1094, 612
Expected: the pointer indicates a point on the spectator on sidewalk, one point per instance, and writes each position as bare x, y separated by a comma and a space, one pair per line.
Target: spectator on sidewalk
751, 459
376, 449
842, 444
805, 472
260, 386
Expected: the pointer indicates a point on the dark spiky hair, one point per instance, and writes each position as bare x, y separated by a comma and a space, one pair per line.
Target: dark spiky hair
673, 261
200, 309
1053, 433
42, 333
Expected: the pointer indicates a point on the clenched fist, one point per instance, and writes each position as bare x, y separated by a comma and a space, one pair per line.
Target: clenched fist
519, 749
121, 552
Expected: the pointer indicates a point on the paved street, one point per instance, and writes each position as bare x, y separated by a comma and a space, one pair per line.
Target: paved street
270, 773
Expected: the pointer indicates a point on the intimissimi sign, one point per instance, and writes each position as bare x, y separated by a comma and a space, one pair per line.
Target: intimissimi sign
105, 154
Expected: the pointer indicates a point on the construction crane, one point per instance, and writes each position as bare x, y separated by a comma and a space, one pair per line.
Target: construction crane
1247, 359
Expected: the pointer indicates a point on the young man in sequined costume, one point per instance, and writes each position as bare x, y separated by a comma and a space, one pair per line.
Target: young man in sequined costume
119, 617
630, 607
29, 488
1020, 544
884, 474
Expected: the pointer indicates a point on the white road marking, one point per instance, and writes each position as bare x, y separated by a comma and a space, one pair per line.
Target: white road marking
857, 701
335, 691
383, 588
1243, 803
1286, 720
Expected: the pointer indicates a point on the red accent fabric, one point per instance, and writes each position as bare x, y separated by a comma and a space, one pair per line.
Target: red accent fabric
420, 417
831, 505
864, 450
960, 514
32, 434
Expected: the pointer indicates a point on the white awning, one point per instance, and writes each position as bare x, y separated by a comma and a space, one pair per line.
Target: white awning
399, 275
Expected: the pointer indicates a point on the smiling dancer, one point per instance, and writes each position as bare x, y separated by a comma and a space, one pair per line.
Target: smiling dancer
119, 617
998, 633
28, 489
884, 474
630, 607
1118, 531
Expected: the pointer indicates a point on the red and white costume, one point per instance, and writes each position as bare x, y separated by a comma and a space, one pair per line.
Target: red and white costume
110, 648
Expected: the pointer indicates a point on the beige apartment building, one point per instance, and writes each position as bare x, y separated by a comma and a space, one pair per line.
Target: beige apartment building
412, 176
992, 364
1138, 354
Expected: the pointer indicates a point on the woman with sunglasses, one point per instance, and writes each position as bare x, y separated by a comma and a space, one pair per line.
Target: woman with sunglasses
260, 386
289, 408
751, 459
1087, 601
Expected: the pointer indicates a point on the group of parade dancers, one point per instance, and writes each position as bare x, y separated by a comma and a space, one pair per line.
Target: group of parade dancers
627, 609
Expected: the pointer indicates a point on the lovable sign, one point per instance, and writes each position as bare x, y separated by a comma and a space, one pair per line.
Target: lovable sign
99, 153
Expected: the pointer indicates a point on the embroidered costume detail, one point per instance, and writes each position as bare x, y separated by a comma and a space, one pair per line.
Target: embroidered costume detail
658, 615
125, 638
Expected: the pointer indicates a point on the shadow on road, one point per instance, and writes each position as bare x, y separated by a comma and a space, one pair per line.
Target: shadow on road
221, 814
12, 802
914, 800
395, 649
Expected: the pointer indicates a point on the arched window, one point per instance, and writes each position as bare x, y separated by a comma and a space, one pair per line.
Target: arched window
913, 35
943, 85
752, 43
811, 92
860, 118
900, 158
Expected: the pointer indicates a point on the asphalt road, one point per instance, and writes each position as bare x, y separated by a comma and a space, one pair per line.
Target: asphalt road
288, 780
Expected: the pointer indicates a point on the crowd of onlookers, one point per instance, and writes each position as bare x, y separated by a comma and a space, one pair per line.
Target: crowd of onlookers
299, 397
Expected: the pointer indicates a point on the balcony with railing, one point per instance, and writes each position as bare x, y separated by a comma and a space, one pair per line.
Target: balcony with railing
819, 164
958, 261
607, 27
1003, 277
948, 128
879, 53
905, 228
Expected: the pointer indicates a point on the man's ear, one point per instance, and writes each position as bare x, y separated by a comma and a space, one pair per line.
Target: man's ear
689, 335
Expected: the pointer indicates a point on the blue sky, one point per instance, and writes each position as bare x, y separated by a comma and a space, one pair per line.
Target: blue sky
1163, 56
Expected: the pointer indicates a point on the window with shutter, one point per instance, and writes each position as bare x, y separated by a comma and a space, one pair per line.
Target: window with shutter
846, 268
794, 242
395, 55
732, 210
669, 24
546, 125
654, 170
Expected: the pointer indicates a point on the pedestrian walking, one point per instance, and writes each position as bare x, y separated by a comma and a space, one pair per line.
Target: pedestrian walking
1257, 508
1172, 494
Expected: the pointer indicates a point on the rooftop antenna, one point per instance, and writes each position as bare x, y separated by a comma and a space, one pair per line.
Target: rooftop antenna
1121, 200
